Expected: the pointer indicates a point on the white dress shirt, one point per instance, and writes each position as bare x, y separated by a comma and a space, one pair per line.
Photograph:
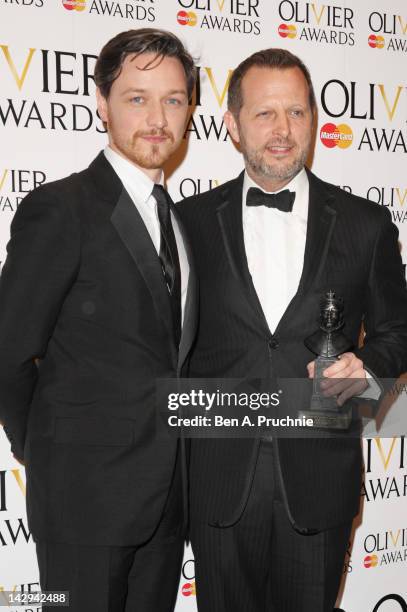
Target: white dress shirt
275, 243
139, 187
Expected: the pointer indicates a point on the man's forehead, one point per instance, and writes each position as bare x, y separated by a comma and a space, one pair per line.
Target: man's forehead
268, 73
141, 71
262, 81
141, 60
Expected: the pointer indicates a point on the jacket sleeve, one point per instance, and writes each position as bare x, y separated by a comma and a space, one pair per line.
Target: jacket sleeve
41, 265
384, 351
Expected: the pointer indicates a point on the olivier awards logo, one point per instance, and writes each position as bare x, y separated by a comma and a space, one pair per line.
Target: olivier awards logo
316, 23
12, 489
137, 10
395, 198
388, 456
385, 548
191, 186
15, 183
23, 588
388, 32
233, 16
47, 90
365, 102
211, 89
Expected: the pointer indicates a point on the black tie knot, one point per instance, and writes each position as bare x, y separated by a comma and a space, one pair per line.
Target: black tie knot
162, 198
283, 200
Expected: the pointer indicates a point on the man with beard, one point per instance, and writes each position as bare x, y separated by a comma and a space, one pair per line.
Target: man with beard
271, 518
98, 285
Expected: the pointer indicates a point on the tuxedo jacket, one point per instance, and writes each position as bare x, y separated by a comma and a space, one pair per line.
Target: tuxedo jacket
351, 247
82, 290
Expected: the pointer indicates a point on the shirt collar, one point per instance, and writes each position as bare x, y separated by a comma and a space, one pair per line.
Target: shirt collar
130, 175
299, 184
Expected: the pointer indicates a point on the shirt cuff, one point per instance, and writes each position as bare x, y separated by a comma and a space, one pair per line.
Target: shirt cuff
373, 390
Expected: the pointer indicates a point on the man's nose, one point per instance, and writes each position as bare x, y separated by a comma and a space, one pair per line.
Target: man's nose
281, 125
156, 115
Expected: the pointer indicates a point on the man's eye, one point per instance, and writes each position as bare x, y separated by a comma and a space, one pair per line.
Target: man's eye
137, 99
297, 113
174, 101
263, 114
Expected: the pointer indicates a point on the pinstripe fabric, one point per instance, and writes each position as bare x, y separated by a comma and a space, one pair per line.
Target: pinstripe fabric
261, 564
351, 248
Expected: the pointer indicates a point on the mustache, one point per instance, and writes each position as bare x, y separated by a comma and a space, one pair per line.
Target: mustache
156, 132
280, 143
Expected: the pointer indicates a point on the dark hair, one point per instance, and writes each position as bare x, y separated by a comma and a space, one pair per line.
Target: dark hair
281, 59
145, 40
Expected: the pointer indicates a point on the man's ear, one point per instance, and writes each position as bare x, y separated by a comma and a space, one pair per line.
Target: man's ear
102, 105
232, 125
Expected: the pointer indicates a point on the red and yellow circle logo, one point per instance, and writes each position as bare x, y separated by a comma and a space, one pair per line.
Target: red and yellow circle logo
74, 5
370, 561
287, 31
332, 135
187, 18
376, 42
188, 589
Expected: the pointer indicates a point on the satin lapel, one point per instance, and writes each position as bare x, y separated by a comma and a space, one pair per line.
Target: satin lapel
190, 320
229, 215
134, 234
320, 226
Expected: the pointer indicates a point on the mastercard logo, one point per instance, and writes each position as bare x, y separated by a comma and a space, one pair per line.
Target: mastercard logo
370, 561
336, 135
376, 42
189, 589
287, 31
74, 5
186, 18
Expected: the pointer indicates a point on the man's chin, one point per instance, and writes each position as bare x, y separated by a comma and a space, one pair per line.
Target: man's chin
281, 171
151, 162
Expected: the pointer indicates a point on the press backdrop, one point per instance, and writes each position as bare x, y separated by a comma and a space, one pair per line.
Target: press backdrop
356, 52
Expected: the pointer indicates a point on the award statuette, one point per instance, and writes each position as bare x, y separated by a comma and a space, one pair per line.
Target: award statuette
327, 343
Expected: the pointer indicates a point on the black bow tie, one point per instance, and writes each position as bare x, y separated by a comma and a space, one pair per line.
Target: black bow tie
283, 200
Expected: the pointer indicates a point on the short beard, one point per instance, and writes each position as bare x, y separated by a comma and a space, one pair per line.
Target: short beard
152, 159
256, 162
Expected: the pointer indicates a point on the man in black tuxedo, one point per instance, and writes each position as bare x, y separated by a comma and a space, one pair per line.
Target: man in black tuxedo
270, 518
99, 286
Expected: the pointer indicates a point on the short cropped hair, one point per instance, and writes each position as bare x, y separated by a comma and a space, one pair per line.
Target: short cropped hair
280, 59
136, 42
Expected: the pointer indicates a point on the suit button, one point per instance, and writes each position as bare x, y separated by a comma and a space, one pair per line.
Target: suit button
274, 343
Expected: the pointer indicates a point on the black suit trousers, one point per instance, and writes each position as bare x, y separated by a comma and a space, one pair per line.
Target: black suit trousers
141, 578
261, 564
